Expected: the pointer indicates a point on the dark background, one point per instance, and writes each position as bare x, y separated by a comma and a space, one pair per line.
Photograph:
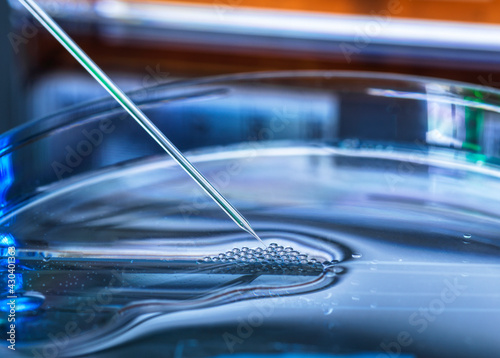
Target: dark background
7, 94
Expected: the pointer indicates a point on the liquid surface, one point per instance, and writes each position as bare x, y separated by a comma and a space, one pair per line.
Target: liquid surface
371, 252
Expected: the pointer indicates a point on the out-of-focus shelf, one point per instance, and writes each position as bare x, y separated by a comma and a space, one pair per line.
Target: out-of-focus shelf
286, 33
188, 39
479, 11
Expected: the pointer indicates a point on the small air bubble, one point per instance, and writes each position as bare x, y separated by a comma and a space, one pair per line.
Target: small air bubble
356, 256
273, 245
467, 236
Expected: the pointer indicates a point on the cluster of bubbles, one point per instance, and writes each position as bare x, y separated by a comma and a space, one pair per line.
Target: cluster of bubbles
274, 259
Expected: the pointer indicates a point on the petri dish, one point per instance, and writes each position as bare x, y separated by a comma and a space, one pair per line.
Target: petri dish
376, 195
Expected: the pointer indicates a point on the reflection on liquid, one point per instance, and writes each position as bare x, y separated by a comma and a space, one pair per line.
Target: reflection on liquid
137, 257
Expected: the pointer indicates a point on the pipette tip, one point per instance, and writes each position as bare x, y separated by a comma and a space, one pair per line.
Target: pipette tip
254, 234
137, 114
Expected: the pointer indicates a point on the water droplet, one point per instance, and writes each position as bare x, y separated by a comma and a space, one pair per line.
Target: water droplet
467, 236
273, 245
356, 256
327, 310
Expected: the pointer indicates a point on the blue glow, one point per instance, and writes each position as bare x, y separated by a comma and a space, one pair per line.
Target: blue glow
22, 304
7, 240
6, 174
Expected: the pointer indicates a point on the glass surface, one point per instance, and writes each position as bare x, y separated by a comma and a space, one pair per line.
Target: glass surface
376, 194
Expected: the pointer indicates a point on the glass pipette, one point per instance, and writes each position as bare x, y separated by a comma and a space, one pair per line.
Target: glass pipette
137, 114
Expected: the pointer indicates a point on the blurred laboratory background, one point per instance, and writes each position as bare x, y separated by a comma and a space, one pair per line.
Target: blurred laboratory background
144, 43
